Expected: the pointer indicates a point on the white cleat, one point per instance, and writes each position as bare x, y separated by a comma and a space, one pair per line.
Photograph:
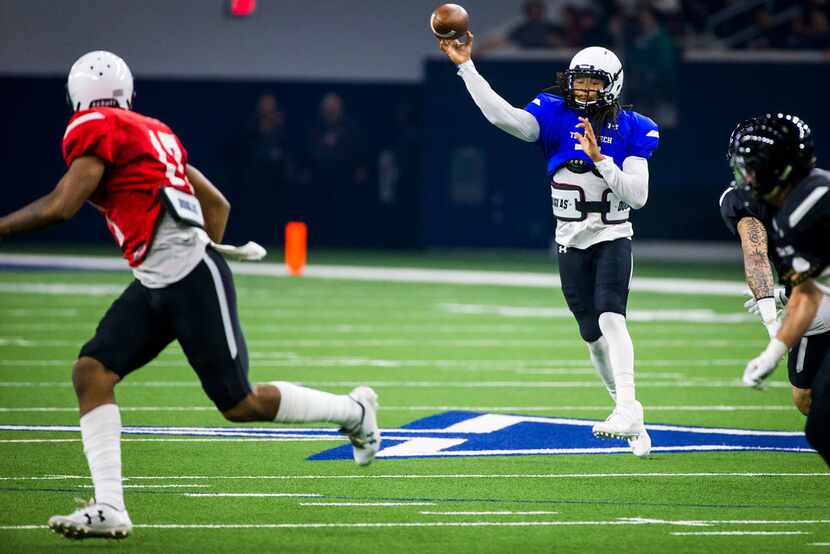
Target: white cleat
641, 444
625, 422
93, 521
365, 438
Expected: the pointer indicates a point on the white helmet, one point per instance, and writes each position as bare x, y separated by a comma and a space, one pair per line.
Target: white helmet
599, 62
99, 78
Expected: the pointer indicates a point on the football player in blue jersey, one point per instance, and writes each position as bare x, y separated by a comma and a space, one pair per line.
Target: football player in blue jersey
597, 161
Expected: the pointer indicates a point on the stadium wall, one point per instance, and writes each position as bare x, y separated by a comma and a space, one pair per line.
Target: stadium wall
373, 40
474, 187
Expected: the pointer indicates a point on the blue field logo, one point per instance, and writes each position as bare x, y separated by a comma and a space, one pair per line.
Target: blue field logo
474, 434
468, 434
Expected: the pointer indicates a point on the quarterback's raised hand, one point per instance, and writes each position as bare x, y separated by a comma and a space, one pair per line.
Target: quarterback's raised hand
588, 140
457, 51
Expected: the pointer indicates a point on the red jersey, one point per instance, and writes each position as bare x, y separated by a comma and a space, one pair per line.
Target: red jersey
142, 156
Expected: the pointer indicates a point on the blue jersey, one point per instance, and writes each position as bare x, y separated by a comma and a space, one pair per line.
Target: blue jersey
632, 135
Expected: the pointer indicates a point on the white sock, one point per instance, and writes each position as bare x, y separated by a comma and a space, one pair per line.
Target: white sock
621, 353
601, 360
101, 435
300, 404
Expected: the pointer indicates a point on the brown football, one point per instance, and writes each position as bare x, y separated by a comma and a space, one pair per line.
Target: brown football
449, 21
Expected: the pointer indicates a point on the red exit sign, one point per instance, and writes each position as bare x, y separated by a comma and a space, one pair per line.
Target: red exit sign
242, 8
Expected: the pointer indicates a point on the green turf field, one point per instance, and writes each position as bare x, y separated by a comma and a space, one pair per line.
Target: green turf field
427, 349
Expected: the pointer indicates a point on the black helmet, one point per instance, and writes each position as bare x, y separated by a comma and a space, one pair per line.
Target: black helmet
770, 153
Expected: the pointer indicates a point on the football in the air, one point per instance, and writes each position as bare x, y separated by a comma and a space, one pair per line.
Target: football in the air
449, 21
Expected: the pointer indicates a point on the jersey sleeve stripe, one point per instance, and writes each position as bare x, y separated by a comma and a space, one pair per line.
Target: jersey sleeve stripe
805, 206
92, 116
722, 196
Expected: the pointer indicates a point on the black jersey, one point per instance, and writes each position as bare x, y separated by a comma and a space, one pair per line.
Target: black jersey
801, 230
736, 204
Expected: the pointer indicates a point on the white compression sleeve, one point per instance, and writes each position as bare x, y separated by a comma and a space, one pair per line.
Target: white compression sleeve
601, 360
629, 183
516, 121
621, 352
101, 436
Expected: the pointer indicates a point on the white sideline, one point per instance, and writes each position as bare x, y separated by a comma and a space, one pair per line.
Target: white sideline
387, 274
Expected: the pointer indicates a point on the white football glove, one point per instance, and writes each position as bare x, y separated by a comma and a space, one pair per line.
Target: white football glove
248, 252
758, 369
768, 309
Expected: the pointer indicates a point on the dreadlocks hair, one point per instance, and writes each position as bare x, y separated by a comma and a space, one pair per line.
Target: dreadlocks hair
600, 118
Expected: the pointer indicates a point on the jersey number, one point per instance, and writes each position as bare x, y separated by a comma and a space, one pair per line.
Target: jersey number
166, 144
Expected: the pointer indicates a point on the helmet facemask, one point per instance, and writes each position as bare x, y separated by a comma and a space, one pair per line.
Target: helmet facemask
769, 154
604, 96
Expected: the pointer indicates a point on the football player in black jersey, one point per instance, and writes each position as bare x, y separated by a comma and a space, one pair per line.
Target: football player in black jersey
751, 220
773, 158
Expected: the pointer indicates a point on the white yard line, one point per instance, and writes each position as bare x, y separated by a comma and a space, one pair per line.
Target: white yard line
601, 408
387, 274
61, 289
432, 524
369, 504
253, 494
71, 330
598, 408
692, 316
172, 486
211, 440
539, 513
696, 383
283, 359
696, 475
739, 533
20, 342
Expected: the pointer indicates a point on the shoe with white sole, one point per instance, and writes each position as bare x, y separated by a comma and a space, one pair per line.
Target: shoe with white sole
625, 422
93, 521
641, 444
365, 438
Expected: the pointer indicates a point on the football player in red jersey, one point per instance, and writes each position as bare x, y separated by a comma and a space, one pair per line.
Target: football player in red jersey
168, 219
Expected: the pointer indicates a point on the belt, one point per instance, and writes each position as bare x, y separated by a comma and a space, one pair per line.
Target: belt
598, 207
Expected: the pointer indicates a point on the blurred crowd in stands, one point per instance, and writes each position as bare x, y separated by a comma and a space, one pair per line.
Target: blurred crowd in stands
322, 166
651, 35
706, 24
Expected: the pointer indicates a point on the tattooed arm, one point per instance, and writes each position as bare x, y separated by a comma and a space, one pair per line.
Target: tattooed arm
756, 259
757, 269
